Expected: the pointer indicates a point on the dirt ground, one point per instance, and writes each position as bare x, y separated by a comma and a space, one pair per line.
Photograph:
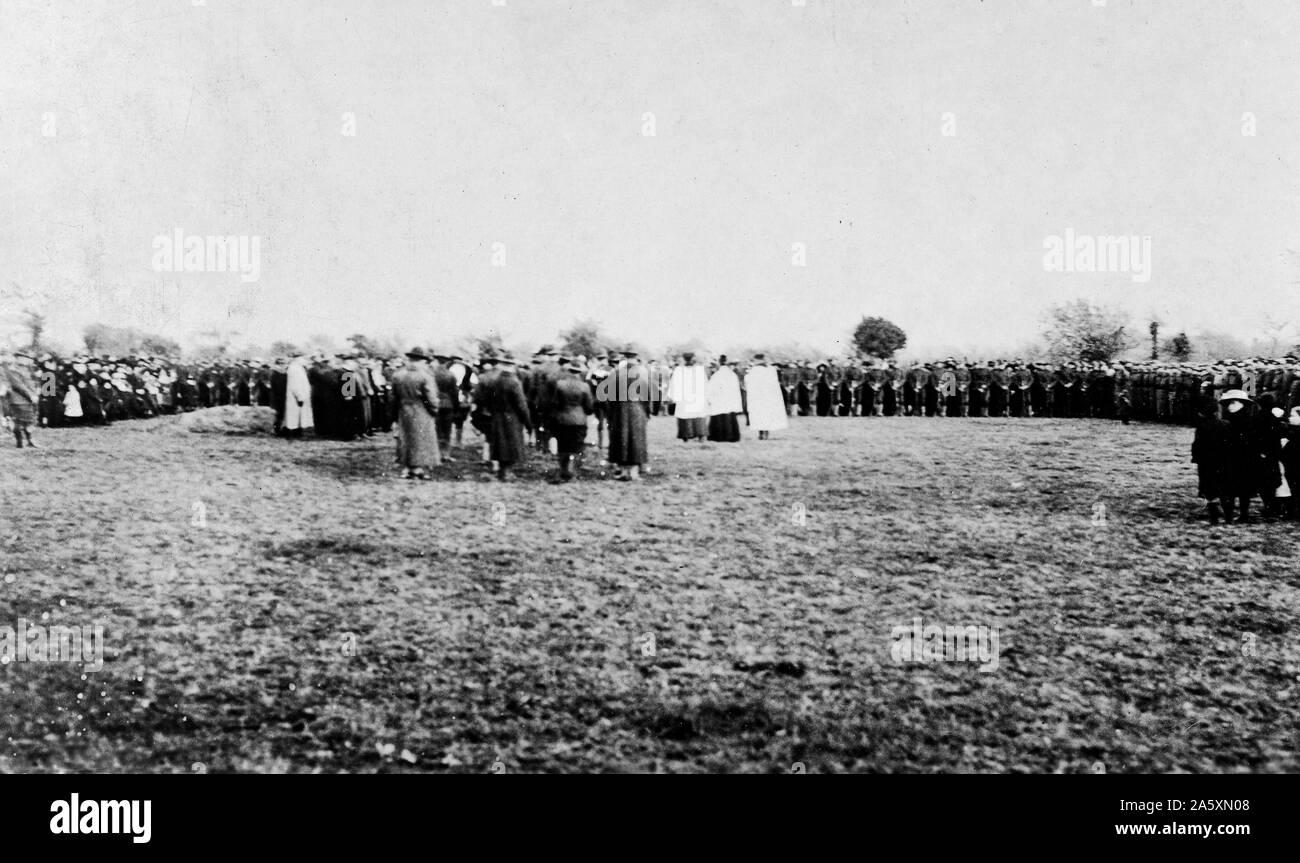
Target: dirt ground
294, 606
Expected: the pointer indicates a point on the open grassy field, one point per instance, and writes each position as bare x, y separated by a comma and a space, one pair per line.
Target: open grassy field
270, 605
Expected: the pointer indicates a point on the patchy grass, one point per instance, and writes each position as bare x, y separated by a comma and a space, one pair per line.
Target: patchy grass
275, 605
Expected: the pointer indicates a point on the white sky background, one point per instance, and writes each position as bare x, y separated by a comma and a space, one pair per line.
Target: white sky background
775, 124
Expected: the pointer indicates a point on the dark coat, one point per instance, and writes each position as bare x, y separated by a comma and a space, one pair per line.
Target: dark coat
1209, 454
626, 392
1242, 456
1268, 432
415, 400
504, 401
572, 402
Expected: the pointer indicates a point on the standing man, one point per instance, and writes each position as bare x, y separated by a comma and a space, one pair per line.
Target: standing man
625, 394
786, 379
892, 403
724, 404
688, 391
279, 386
448, 401
999, 384
914, 390
480, 418
297, 402
569, 411
979, 390
509, 417
355, 391
948, 389
766, 405
415, 400
465, 386
19, 394
807, 383
541, 390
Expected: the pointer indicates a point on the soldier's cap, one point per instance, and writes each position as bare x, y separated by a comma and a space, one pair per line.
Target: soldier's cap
688, 355
760, 357
1235, 396
627, 351
416, 354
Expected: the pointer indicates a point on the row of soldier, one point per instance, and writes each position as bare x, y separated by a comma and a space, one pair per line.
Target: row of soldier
350, 392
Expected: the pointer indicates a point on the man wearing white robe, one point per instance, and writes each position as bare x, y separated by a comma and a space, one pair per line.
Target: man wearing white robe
724, 404
297, 398
688, 390
766, 406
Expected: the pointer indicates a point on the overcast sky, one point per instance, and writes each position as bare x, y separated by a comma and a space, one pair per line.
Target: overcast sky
525, 125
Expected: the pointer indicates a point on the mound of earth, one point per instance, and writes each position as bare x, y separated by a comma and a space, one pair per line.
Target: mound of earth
229, 419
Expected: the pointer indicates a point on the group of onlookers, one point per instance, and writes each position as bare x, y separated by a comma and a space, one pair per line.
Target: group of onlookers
1246, 448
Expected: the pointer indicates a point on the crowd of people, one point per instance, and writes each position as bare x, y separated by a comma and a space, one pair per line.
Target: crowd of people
1249, 448
427, 397
1245, 412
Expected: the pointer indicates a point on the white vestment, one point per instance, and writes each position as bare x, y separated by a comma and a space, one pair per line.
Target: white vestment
297, 388
724, 392
766, 406
688, 388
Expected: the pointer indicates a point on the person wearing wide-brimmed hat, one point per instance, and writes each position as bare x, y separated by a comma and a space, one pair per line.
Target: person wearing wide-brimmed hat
627, 402
415, 401
507, 409
571, 406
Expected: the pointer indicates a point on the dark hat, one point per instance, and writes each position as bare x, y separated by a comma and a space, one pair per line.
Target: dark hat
628, 351
417, 354
688, 355
760, 356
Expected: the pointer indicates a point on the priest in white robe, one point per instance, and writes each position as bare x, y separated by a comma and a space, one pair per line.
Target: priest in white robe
688, 391
724, 404
297, 398
766, 406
